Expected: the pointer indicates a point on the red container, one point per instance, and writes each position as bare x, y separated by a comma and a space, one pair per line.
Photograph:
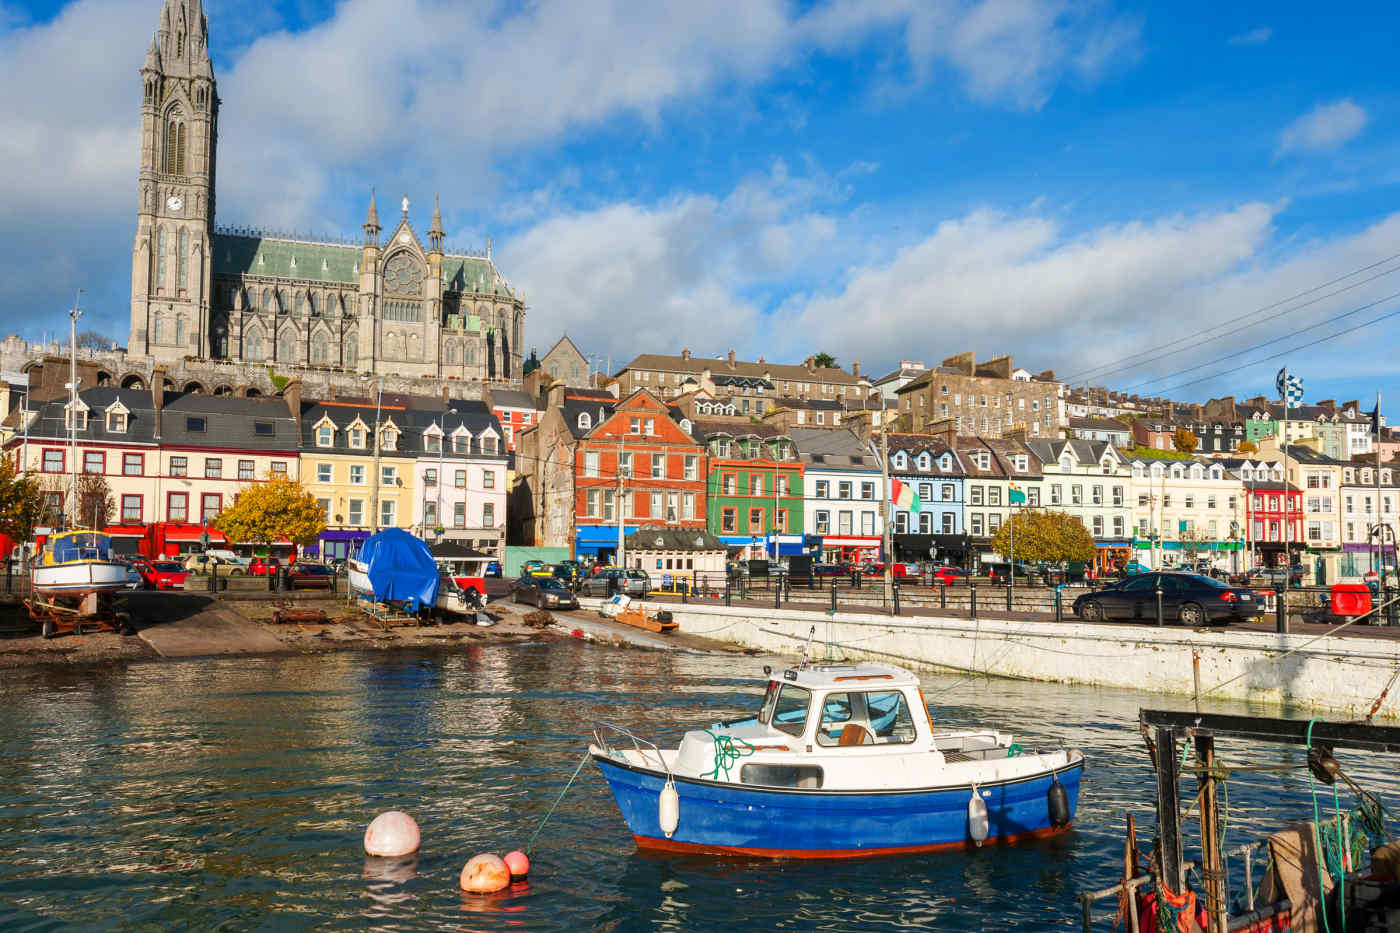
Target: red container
1351, 599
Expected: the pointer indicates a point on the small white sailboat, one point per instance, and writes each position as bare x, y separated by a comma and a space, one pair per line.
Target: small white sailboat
76, 563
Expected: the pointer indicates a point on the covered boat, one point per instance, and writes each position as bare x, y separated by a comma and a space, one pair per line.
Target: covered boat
395, 567
841, 761
465, 566
77, 563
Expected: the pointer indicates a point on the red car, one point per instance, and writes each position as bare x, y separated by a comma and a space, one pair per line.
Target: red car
898, 571
262, 566
310, 576
162, 574
949, 575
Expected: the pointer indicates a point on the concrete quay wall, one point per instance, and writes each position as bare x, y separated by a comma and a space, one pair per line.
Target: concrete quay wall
1334, 674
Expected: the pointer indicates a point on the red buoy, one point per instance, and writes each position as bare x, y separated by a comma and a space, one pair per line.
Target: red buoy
519, 864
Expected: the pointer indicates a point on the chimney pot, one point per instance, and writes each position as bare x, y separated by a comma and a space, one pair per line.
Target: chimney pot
685, 353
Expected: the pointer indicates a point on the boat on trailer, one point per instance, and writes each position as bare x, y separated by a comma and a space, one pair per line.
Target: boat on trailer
77, 564
841, 761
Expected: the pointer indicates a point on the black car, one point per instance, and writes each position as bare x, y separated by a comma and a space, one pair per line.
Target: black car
1189, 598
831, 570
545, 592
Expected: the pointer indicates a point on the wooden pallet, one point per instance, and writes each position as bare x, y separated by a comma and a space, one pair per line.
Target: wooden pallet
389, 616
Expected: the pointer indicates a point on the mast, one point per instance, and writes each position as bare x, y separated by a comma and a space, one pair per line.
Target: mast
73, 409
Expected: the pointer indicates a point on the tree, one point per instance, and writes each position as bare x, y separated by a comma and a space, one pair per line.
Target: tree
1184, 441
1247, 447
278, 508
21, 502
1045, 535
96, 507
825, 360
94, 340
531, 364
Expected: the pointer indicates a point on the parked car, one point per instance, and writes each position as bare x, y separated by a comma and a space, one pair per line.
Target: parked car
998, 572
133, 577
493, 569
533, 566
831, 570
630, 582
262, 566
1275, 576
947, 576
304, 576
162, 574
898, 570
204, 563
545, 592
1189, 598
568, 574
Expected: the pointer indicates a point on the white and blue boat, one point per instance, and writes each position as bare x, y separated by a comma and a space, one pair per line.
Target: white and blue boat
841, 761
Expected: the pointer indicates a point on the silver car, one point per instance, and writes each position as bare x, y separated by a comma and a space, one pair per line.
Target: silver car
630, 583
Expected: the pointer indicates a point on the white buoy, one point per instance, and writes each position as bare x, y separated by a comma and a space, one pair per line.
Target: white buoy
668, 808
977, 817
392, 834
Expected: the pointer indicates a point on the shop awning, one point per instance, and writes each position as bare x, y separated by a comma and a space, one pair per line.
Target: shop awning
849, 541
193, 533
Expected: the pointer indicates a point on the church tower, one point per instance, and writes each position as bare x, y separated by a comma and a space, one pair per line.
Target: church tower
171, 258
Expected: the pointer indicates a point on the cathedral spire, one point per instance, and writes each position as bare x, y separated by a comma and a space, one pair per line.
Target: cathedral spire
153, 54
371, 221
435, 231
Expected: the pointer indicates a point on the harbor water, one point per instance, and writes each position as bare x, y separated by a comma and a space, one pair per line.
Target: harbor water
233, 794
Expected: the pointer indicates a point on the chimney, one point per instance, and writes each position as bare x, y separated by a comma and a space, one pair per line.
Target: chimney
1017, 434
555, 396
762, 361
811, 364
157, 395
1328, 405
731, 357
855, 369
685, 353
291, 394
946, 430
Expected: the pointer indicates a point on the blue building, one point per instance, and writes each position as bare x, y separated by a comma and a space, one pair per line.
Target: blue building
938, 531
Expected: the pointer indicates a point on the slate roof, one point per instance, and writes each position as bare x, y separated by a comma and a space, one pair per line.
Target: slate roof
513, 398
704, 430
1049, 450
410, 422
597, 406
673, 539
227, 422
935, 447
721, 366
49, 422
825, 449
810, 404
1099, 424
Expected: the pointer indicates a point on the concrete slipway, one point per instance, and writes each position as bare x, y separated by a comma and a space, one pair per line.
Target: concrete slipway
1336, 673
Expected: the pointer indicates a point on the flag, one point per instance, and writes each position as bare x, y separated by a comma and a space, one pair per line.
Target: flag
1016, 495
1290, 388
904, 496
1376, 416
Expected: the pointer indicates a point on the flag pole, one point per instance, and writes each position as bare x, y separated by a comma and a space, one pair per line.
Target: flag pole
1380, 514
1287, 518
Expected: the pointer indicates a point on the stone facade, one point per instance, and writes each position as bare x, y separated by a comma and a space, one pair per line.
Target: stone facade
988, 399
395, 306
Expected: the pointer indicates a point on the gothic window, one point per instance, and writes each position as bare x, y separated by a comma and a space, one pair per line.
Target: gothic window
219, 341
161, 246
403, 289
319, 349
182, 261
391, 346
179, 45
175, 143
287, 346
449, 353
469, 355
179, 332
158, 331
267, 299
253, 348
315, 310
403, 311
351, 350
298, 301
278, 304
515, 342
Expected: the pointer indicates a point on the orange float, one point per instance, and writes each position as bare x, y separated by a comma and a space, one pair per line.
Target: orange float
519, 864
485, 874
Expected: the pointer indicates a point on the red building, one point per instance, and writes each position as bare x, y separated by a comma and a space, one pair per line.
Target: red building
1274, 524
515, 410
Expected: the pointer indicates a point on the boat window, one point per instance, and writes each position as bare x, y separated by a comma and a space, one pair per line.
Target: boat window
770, 696
865, 718
805, 776
790, 712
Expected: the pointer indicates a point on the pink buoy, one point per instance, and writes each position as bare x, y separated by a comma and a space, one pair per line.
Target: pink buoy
519, 864
485, 874
392, 834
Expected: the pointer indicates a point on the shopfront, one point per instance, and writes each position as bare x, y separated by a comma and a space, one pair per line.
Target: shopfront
849, 549
953, 550
599, 542
337, 543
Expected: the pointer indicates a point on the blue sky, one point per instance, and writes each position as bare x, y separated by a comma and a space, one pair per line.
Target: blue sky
1075, 183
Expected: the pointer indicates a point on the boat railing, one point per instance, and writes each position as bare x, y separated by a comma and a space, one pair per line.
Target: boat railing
602, 729
1126, 890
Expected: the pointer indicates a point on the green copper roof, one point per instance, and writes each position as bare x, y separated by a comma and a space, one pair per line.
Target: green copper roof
472, 274
286, 259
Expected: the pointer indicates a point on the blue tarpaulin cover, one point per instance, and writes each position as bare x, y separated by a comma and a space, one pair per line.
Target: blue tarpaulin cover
400, 568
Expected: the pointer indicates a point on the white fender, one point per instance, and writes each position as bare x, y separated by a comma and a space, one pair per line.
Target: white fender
977, 817
668, 809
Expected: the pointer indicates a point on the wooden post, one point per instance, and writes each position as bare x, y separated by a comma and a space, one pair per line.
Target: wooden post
1212, 871
1168, 810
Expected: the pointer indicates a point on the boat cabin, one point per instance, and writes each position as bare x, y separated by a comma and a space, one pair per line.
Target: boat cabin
73, 546
465, 566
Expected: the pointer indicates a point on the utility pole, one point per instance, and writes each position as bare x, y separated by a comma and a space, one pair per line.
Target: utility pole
885, 502
1380, 515
621, 479
374, 480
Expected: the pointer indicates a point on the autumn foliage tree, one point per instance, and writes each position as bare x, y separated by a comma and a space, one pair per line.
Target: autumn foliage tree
1184, 441
1045, 535
21, 502
278, 508
1247, 447
96, 507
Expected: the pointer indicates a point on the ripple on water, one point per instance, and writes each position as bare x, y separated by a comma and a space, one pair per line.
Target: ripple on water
235, 795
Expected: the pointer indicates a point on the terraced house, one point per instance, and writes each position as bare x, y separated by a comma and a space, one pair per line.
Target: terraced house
755, 503
843, 487
938, 530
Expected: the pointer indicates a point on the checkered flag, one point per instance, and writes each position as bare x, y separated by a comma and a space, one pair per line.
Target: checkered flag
1290, 388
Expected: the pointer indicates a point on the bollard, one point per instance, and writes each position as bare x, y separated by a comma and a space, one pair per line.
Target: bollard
972, 597
213, 578
787, 588
1008, 592
778, 596
728, 593
833, 596
685, 594
1160, 621
1280, 609
811, 580
9, 575
895, 587
1059, 606
855, 579
943, 596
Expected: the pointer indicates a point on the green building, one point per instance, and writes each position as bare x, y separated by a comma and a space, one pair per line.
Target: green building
755, 489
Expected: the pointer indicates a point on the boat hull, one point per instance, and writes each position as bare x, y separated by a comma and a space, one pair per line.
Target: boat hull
79, 577
358, 575
734, 819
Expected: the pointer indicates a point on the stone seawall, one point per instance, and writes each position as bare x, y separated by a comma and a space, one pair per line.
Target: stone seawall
1341, 674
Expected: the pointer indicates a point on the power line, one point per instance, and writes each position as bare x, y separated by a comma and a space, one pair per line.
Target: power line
1146, 356
1260, 346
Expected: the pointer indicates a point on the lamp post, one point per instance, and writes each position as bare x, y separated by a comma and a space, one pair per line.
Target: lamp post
374, 479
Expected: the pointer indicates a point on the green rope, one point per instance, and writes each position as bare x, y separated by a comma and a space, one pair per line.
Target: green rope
728, 751
529, 846
1014, 751
1325, 858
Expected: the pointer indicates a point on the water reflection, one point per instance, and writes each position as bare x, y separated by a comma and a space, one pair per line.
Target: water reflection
236, 793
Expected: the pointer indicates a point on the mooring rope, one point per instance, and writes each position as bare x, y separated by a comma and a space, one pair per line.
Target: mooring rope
530, 846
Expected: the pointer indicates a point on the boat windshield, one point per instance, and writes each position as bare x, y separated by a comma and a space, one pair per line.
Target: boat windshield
790, 710
81, 546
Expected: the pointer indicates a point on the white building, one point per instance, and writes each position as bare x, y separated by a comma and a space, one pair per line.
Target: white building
1088, 479
843, 489
460, 477
1185, 510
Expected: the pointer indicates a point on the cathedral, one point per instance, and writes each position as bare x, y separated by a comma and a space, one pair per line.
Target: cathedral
391, 305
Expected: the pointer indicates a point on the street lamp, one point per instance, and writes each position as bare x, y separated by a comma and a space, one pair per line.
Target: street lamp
374, 478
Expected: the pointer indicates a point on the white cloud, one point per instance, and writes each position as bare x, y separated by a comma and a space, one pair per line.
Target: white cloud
1260, 36
1326, 126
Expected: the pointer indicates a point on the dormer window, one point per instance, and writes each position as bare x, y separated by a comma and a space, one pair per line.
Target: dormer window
488, 444
357, 438
1385, 477
325, 435
116, 422
75, 417
901, 461
1019, 463
585, 421
945, 462
432, 443
461, 444
389, 439
923, 462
